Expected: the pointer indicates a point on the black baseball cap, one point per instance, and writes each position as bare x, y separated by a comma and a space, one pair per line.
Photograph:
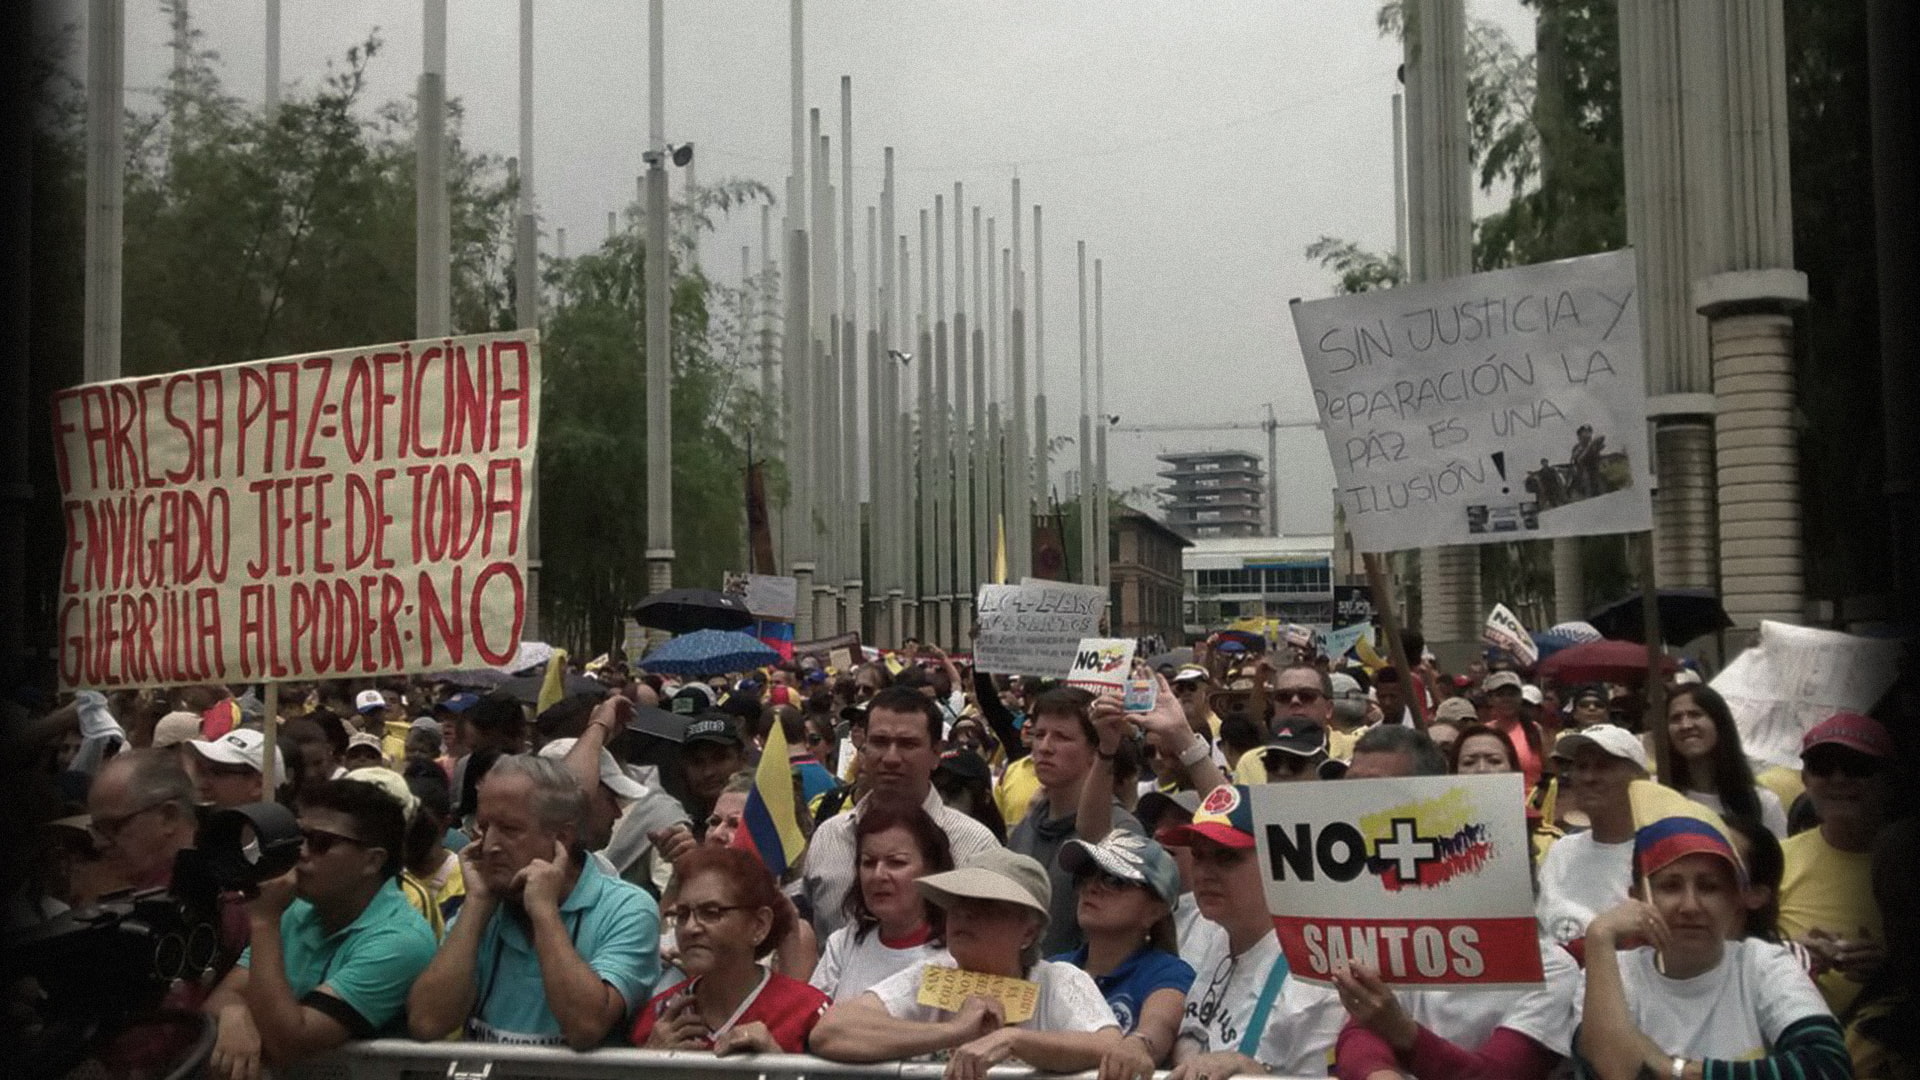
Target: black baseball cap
713, 726
1299, 738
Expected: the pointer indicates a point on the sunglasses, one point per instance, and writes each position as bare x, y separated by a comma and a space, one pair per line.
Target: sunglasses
1853, 766
320, 841
109, 827
1303, 697
814, 738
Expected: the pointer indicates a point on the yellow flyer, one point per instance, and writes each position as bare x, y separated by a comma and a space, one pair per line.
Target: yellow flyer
949, 988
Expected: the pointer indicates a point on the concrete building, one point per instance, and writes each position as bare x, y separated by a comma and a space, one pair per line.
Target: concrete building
1280, 577
1215, 493
1148, 587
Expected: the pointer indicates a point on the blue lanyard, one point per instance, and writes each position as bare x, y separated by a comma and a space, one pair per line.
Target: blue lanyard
1257, 1022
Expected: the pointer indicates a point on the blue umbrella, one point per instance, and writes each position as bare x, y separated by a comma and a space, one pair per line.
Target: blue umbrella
709, 652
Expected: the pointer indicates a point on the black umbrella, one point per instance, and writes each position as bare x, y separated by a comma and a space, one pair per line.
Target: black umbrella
1685, 614
527, 687
649, 720
682, 611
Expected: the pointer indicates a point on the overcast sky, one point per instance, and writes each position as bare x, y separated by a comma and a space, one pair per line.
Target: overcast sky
1196, 147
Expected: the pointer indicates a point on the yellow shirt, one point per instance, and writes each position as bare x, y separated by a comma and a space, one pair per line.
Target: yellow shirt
1340, 743
1015, 791
1826, 888
421, 898
1250, 769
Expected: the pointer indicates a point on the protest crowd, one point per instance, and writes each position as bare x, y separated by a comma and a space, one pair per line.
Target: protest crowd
904, 858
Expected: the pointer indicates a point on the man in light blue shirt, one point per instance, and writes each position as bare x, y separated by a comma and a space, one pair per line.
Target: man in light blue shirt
334, 946
548, 949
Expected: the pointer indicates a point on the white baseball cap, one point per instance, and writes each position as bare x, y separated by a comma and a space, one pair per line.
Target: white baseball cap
1530, 694
368, 701
241, 746
612, 775
1611, 739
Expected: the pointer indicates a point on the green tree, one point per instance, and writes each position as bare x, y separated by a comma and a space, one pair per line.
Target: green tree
593, 446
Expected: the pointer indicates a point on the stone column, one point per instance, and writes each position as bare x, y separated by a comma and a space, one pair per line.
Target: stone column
1569, 581
1440, 245
1756, 446
1664, 226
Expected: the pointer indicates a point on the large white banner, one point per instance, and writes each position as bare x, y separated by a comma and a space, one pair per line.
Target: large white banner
1502, 406
1423, 878
1798, 676
346, 513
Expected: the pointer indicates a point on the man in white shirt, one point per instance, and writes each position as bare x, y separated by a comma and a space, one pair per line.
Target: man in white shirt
902, 750
1586, 873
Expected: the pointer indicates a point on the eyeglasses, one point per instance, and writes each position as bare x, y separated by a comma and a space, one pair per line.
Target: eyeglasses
1100, 879
223, 768
109, 827
321, 841
704, 914
1853, 766
1301, 696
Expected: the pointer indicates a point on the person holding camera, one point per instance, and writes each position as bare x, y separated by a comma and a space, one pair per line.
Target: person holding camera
334, 945
549, 948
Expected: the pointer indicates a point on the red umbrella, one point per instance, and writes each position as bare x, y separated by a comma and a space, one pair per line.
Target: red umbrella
1602, 661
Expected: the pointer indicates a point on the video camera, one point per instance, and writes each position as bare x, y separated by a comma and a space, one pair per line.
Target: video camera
101, 966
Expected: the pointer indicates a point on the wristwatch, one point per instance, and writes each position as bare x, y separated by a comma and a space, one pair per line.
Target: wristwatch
1195, 751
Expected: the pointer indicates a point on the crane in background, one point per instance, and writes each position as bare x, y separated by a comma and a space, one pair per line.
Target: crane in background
1271, 425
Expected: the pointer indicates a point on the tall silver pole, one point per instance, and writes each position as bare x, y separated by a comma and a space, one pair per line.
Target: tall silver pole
876, 460
1102, 552
851, 575
1042, 448
797, 338
432, 258
1020, 448
526, 295
1087, 573
962, 437
659, 318
826, 398
106, 186
1273, 471
898, 525
923, 367
906, 453
996, 513
983, 474
1399, 188
942, 432
271, 99
763, 309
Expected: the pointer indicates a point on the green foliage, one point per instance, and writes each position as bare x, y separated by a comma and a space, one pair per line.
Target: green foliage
593, 450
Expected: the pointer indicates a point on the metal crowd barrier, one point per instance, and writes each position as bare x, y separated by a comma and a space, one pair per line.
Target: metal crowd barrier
401, 1059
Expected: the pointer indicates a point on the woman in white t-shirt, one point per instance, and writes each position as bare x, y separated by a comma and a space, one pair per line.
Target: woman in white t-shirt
890, 926
1697, 999
996, 911
1708, 763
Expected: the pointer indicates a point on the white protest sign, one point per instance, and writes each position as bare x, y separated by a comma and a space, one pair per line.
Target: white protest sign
355, 512
1033, 628
1796, 677
1424, 878
767, 596
1102, 665
1504, 630
1501, 406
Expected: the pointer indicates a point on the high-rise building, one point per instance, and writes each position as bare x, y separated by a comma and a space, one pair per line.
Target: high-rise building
1215, 493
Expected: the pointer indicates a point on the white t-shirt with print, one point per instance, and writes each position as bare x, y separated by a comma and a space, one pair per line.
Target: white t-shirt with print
1580, 878
1301, 1028
849, 968
1732, 1013
1543, 1013
1068, 1000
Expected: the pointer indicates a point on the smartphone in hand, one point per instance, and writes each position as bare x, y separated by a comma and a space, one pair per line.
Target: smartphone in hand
1141, 694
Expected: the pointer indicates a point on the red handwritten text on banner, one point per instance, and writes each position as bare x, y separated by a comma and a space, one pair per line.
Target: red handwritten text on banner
350, 513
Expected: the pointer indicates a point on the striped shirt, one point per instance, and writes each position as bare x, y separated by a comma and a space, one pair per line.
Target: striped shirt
833, 864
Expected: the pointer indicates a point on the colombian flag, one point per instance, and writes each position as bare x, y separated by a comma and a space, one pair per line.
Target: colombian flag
1667, 826
769, 826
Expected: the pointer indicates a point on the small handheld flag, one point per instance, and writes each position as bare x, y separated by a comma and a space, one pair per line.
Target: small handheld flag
554, 686
769, 825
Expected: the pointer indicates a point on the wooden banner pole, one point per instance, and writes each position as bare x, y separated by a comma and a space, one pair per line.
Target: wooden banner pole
1656, 715
1396, 650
